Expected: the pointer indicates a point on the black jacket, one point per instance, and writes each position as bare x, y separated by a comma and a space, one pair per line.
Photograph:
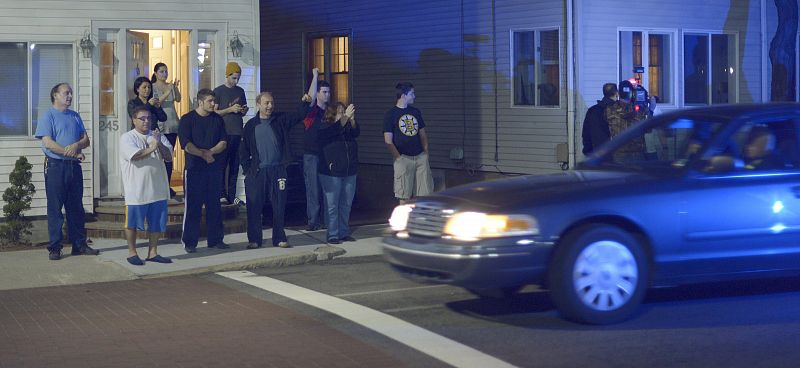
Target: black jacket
158, 113
281, 124
338, 149
595, 126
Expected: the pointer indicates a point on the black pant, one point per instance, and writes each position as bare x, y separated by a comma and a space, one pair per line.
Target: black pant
63, 183
270, 180
172, 138
199, 188
232, 149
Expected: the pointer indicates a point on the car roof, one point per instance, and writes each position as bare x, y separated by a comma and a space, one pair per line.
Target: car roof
734, 111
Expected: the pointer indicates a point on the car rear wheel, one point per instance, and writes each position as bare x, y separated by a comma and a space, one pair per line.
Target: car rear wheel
598, 275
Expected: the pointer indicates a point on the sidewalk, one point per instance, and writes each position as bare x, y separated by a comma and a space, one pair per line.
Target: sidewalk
31, 268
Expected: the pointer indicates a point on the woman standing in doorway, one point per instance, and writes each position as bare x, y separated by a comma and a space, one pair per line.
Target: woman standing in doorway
167, 94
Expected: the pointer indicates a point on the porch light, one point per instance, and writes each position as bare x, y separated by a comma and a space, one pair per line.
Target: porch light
236, 45
87, 45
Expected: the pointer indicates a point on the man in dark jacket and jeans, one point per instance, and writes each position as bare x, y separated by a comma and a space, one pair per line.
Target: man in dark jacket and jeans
264, 154
595, 125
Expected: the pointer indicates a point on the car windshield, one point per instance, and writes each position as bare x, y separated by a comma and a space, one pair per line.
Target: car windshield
659, 143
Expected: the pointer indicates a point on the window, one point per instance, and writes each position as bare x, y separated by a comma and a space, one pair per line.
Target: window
536, 68
106, 66
205, 59
29, 72
656, 64
331, 55
709, 68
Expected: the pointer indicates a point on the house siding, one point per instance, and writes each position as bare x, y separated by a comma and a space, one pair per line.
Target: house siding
66, 22
455, 94
597, 41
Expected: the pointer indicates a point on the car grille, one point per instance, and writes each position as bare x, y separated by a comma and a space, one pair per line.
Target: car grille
428, 219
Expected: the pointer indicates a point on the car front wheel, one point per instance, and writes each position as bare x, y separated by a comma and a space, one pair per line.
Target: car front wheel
598, 275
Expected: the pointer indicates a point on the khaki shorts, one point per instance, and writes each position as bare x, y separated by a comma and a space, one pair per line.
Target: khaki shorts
412, 176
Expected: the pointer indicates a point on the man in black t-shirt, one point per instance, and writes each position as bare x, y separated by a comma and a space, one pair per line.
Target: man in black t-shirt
405, 137
202, 134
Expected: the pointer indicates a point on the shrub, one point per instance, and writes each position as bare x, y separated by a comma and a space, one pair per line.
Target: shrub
18, 196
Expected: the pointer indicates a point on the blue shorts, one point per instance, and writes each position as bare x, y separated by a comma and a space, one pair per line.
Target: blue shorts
155, 213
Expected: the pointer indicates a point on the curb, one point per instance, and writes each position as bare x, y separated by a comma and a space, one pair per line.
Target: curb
322, 253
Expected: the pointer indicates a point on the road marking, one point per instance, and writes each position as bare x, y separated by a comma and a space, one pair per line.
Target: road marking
389, 290
411, 309
437, 346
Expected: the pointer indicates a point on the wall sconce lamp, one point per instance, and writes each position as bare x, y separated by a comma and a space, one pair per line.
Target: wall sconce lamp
236, 45
87, 45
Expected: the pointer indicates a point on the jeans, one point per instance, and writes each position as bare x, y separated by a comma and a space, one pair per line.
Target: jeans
339, 192
313, 203
232, 158
268, 183
63, 181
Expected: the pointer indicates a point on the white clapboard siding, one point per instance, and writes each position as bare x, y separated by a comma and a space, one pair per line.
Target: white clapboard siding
65, 21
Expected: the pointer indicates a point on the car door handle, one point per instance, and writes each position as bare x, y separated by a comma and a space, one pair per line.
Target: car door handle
796, 191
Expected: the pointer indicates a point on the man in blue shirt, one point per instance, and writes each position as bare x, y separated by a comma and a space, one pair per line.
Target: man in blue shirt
63, 137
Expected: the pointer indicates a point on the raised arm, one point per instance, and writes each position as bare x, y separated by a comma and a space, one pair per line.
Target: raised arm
312, 88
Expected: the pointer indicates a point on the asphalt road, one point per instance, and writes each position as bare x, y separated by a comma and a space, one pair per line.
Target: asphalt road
733, 324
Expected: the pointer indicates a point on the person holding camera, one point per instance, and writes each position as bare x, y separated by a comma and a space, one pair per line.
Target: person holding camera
232, 106
621, 115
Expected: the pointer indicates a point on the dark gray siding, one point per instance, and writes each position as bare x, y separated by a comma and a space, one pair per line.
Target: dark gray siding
446, 50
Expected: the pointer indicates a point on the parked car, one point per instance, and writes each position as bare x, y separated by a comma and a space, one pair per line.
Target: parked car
690, 196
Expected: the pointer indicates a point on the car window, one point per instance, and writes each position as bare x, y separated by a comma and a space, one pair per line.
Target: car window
756, 147
662, 142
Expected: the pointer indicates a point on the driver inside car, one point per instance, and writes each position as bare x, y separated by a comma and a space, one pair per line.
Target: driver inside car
759, 150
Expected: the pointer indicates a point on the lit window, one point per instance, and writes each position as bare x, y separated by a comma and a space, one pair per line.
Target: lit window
709, 68
49, 65
654, 68
331, 55
536, 68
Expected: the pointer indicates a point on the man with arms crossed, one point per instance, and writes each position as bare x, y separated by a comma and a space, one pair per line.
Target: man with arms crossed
63, 137
142, 155
405, 137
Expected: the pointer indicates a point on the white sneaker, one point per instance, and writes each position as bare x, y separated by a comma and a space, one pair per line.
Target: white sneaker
284, 245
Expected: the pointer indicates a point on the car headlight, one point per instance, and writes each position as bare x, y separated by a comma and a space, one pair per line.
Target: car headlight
399, 218
471, 226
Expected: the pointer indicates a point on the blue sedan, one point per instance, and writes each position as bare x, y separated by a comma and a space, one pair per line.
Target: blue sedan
690, 196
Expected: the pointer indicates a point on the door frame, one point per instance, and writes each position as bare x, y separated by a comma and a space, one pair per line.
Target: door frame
122, 27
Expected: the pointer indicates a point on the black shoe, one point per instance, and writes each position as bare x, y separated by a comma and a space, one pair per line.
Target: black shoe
55, 255
253, 246
334, 241
313, 227
220, 245
86, 251
348, 239
190, 249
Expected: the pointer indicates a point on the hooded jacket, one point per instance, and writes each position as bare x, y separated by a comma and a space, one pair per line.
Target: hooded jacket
338, 149
281, 123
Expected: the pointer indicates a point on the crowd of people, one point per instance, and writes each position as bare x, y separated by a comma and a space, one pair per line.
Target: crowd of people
216, 142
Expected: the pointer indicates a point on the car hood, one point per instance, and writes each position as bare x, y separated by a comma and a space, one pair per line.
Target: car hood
528, 189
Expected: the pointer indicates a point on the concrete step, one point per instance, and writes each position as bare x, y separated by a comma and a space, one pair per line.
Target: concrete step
116, 212
116, 230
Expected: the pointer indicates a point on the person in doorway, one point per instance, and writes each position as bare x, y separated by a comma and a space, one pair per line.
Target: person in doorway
338, 167
143, 90
595, 126
232, 106
142, 153
167, 94
202, 134
63, 137
320, 97
405, 137
264, 155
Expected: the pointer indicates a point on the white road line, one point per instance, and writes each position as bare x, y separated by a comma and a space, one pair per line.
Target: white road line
437, 346
389, 290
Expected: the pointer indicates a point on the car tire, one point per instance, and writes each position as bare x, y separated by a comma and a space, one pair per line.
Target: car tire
598, 275
499, 293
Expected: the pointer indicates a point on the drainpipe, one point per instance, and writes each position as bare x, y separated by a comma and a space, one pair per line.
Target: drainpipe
571, 85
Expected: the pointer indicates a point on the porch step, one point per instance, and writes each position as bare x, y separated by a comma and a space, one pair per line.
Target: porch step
116, 230
115, 211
